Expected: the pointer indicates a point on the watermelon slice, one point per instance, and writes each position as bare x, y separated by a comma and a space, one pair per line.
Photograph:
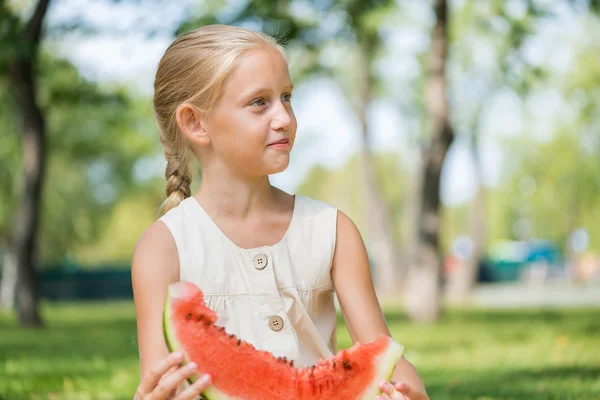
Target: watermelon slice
241, 372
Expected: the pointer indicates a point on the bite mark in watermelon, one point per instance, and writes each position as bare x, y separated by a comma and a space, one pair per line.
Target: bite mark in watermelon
241, 372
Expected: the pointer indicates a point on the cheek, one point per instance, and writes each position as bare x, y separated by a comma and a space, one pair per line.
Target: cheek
256, 130
238, 132
248, 125
293, 127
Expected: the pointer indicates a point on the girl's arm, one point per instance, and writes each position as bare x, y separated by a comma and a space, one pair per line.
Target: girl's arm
353, 284
154, 266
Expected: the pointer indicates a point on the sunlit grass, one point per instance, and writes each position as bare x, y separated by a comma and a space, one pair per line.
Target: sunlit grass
88, 351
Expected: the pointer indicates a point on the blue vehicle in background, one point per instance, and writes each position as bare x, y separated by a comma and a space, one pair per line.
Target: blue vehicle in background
509, 261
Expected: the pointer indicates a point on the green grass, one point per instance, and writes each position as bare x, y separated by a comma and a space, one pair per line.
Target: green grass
88, 351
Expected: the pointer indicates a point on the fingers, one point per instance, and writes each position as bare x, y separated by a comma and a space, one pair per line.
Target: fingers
158, 370
167, 386
410, 392
405, 389
198, 387
388, 392
386, 388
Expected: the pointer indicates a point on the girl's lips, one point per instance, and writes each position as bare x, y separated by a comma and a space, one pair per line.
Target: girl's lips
281, 143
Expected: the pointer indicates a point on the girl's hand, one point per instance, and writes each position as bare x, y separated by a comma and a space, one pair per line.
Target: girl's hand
162, 383
399, 391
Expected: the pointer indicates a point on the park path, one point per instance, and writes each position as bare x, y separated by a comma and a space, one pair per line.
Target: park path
516, 295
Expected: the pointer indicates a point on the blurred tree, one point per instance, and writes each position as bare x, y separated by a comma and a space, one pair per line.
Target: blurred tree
312, 30
71, 181
423, 288
489, 43
365, 19
101, 142
554, 183
20, 42
503, 30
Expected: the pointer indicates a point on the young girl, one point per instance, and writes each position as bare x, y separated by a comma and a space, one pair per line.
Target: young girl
268, 262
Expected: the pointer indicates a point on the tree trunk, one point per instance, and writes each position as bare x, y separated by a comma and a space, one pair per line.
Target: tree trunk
462, 282
8, 285
423, 294
25, 227
411, 221
21, 76
382, 245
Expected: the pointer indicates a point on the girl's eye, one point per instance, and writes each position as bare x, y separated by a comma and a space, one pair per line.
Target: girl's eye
258, 102
287, 97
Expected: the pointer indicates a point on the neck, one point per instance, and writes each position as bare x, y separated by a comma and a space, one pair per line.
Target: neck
235, 196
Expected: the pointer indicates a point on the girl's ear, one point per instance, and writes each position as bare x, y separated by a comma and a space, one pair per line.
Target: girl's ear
191, 123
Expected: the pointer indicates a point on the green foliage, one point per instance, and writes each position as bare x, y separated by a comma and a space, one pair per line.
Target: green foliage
10, 161
10, 26
89, 351
553, 185
95, 138
129, 218
556, 188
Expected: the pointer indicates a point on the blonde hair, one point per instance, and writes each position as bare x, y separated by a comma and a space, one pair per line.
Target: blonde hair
193, 70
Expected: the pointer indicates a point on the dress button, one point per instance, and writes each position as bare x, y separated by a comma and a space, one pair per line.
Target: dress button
276, 323
260, 261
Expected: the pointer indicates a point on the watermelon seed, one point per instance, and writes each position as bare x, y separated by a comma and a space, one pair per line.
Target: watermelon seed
207, 322
347, 365
189, 316
334, 364
239, 342
201, 317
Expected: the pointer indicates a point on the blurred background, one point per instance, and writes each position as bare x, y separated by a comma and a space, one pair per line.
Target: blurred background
462, 137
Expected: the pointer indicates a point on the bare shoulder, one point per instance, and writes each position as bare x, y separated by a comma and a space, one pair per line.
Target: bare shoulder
347, 233
155, 255
157, 233
350, 252
346, 224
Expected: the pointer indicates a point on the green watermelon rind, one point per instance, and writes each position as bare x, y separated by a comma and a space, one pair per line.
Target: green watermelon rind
386, 362
210, 393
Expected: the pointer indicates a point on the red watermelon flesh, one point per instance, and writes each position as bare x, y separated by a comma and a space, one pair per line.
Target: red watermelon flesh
240, 371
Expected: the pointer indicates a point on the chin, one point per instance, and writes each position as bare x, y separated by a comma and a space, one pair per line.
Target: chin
277, 168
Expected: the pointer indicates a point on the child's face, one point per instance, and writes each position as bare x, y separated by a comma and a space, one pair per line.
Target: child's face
252, 120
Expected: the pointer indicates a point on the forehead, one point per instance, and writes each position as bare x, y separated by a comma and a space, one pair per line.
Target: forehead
264, 67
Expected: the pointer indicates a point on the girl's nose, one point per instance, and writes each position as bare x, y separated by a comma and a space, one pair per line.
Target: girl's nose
282, 118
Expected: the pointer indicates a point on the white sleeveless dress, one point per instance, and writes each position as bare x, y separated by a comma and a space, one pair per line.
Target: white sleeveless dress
279, 298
